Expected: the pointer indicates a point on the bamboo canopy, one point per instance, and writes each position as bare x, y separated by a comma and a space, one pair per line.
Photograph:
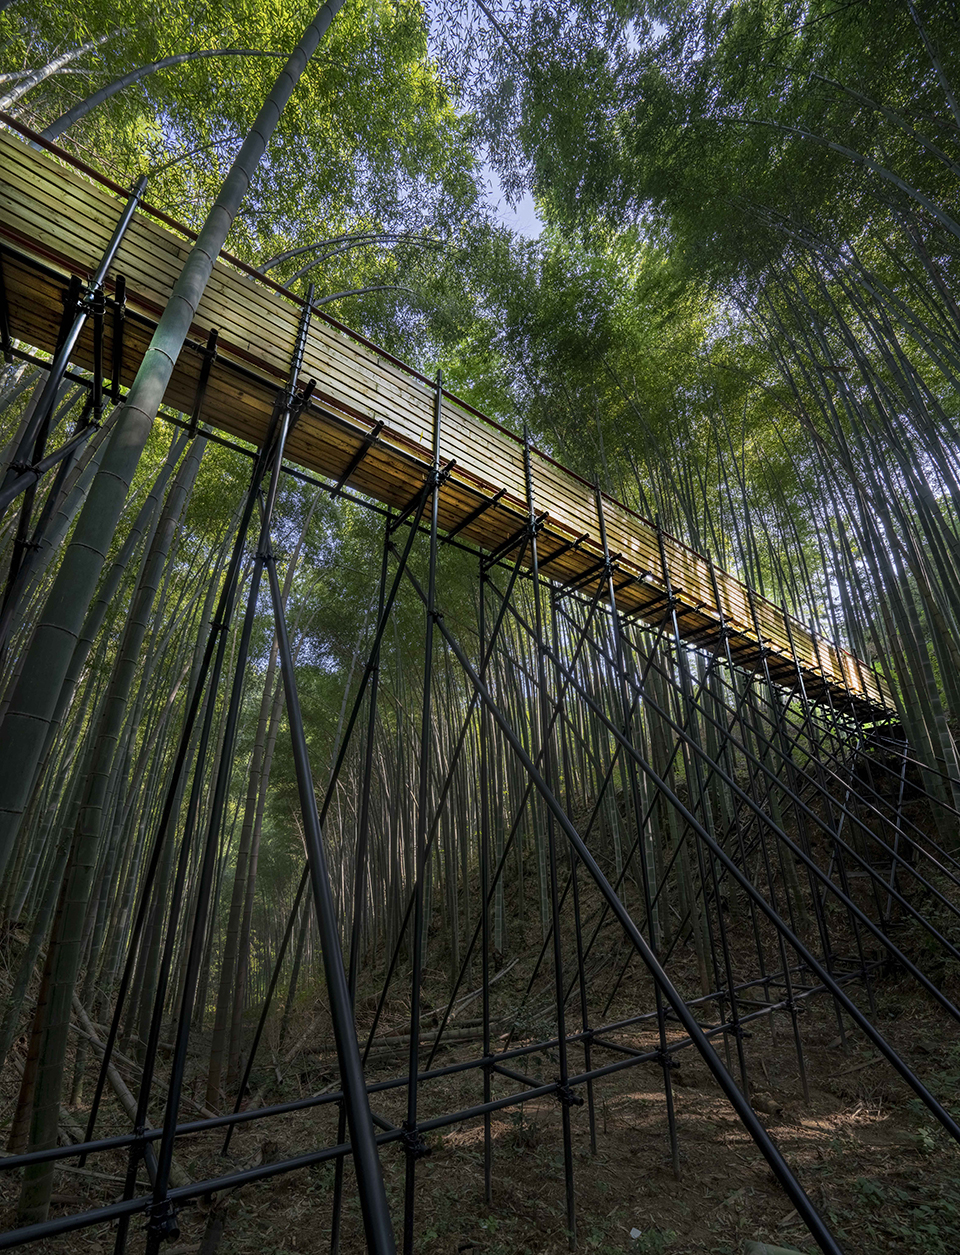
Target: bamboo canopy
369, 423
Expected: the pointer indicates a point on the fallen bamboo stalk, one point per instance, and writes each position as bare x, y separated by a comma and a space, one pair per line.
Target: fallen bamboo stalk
477, 992
90, 1172
69, 1131
295, 1050
857, 1067
467, 1033
387, 1052
116, 1056
119, 1086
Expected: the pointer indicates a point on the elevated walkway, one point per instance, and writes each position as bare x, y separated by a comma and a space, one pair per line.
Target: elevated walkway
369, 424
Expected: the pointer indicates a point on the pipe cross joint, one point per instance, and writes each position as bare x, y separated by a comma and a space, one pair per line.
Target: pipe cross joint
163, 1221
567, 1097
414, 1144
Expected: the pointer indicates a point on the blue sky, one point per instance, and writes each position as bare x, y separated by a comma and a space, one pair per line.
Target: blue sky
521, 218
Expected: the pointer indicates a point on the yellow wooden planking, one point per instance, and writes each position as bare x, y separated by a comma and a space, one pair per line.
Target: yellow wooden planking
66, 219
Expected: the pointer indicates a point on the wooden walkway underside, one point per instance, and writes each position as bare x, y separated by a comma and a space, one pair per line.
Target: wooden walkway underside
370, 423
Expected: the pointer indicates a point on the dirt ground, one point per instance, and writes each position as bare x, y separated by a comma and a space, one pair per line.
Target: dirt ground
875, 1165
873, 1161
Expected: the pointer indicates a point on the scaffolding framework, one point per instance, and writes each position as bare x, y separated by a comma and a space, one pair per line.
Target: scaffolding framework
743, 757
368, 422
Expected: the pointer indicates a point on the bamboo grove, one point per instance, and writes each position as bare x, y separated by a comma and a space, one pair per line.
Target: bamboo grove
298, 783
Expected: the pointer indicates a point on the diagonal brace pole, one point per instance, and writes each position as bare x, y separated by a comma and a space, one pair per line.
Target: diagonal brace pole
761, 1137
373, 1198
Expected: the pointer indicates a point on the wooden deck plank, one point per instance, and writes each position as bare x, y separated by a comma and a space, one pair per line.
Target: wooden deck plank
58, 218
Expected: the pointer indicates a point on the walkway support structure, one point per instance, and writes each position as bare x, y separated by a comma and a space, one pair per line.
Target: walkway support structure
370, 422
709, 807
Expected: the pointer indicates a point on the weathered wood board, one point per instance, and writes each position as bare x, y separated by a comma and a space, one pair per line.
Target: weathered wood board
56, 222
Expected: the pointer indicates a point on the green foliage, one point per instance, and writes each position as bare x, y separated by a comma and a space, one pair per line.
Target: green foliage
928, 1219
739, 318
371, 142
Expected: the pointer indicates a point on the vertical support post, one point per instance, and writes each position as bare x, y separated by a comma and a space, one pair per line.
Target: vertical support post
98, 309
345, 742
6, 340
414, 1145
162, 1221
26, 548
438, 810
574, 883
119, 324
790, 785
564, 1093
373, 1197
665, 1058
32, 445
210, 669
738, 715
209, 357
359, 874
898, 833
835, 826
791, 1003
485, 732
707, 821
72, 333
25, 456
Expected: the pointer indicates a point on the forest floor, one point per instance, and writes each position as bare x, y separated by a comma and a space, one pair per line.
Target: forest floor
874, 1163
